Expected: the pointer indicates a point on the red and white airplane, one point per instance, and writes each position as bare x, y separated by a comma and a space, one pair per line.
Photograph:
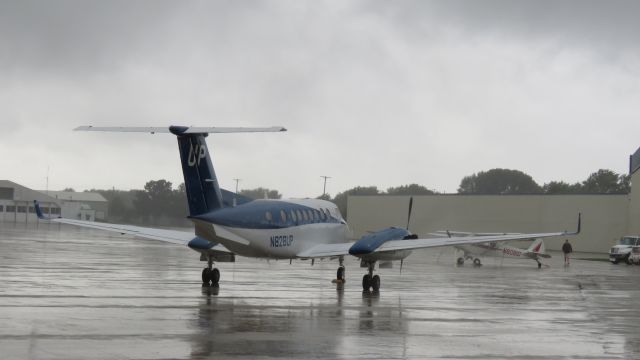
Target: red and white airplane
226, 224
535, 251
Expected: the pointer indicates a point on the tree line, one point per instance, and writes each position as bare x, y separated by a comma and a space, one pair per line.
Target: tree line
159, 203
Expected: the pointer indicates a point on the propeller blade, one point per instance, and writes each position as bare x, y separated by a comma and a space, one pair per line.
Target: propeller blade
410, 207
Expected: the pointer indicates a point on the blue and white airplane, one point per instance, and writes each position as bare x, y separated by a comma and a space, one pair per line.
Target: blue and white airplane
273, 229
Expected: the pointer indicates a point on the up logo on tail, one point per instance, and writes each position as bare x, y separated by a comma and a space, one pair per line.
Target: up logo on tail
197, 153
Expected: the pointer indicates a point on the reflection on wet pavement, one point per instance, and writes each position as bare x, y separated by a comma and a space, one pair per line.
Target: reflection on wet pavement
70, 293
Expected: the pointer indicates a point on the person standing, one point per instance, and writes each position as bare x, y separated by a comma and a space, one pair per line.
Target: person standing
567, 250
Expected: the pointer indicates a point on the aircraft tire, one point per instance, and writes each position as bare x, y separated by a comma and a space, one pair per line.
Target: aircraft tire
539, 265
375, 283
477, 262
215, 276
340, 273
366, 282
460, 261
206, 276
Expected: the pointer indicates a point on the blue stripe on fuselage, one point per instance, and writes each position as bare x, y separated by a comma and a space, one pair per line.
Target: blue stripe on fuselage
253, 215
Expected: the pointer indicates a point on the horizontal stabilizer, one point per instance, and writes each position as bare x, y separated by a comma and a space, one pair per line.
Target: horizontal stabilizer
184, 130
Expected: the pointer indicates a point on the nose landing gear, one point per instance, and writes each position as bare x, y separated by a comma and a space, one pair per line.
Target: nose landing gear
340, 275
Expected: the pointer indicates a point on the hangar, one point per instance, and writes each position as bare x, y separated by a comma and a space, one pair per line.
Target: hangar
16, 204
605, 217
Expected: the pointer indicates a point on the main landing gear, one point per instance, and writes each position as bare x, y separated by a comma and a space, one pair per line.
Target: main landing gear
539, 263
476, 261
370, 281
210, 275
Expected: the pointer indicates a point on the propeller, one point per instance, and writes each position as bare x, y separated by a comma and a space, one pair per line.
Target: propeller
409, 215
408, 221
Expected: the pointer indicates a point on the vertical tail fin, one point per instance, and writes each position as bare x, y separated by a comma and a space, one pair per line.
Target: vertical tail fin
203, 190
201, 183
537, 246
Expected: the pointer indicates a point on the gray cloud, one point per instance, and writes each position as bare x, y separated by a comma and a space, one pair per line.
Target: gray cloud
381, 93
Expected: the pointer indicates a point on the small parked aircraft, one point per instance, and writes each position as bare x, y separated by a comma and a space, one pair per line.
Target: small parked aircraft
535, 251
272, 229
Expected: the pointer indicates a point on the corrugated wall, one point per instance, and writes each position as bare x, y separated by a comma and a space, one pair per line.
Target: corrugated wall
604, 217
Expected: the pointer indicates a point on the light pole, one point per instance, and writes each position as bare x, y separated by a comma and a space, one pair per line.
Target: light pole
324, 188
237, 181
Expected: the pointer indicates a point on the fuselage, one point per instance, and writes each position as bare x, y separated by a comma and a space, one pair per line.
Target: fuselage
495, 250
277, 228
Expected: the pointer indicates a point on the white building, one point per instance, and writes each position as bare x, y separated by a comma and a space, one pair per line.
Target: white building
16, 204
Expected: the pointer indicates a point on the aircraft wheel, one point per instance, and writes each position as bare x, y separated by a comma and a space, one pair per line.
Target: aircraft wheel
375, 283
628, 260
476, 262
460, 261
206, 276
215, 276
539, 265
366, 282
340, 275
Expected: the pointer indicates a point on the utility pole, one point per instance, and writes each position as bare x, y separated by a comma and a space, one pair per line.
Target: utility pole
324, 188
237, 181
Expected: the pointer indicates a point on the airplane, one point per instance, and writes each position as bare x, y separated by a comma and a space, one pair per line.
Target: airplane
535, 251
292, 229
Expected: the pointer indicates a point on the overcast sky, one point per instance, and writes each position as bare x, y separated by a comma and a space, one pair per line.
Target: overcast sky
379, 93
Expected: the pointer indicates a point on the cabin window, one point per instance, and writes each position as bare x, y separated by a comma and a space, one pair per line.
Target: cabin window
305, 216
300, 218
283, 216
268, 216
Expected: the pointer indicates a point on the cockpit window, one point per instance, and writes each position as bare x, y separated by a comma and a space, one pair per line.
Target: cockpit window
293, 216
268, 216
305, 216
283, 216
300, 218
316, 215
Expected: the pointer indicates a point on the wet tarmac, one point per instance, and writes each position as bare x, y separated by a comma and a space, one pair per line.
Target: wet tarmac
68, 293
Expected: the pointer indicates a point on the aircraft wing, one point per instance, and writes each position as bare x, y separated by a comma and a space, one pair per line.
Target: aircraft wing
170, 236
461, 240
326, 250
390, 246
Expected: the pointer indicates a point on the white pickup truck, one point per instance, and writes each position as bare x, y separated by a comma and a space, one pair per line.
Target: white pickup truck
622, 250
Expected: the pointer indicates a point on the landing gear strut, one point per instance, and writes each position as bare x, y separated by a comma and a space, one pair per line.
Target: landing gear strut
539, 264
370, 281
210, 274
340, 276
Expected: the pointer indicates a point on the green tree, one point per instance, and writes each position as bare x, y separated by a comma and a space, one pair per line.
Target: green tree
561, 187
341, 198
499, 181
606, 182
259, 193
411, 189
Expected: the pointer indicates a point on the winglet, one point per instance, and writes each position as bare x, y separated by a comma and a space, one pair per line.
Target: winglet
579, 226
